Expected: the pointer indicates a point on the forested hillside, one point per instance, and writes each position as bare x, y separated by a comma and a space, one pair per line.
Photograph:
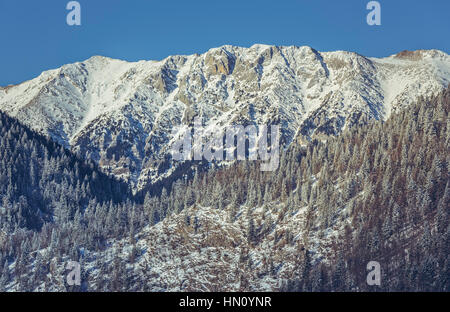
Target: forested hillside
49, 200
377, 192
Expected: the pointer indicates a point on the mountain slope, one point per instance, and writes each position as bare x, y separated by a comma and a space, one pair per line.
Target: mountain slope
121, 114
379, 192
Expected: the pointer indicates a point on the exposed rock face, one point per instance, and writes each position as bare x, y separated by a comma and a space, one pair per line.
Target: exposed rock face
121, 114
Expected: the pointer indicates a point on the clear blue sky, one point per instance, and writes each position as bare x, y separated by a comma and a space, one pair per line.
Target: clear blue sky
35, 36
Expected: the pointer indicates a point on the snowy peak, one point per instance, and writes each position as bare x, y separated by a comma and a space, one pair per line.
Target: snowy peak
121, 114
420, 55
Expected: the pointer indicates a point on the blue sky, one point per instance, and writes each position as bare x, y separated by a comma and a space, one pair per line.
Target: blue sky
35, 36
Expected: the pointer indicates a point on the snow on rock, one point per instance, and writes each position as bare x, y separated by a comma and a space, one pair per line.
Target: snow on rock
120, 114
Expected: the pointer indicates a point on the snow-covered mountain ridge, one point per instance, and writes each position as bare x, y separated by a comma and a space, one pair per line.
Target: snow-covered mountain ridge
120, 114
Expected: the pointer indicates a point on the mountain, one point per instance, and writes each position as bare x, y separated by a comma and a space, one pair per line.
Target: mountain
379, 192
120, 114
